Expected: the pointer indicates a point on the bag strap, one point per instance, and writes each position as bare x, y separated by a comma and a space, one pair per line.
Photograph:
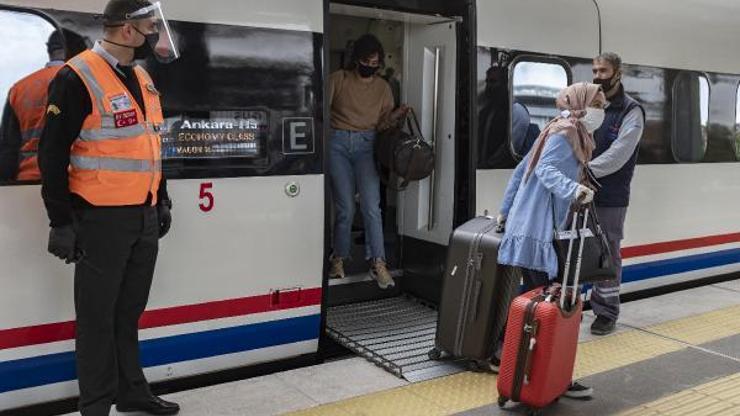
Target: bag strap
412, 117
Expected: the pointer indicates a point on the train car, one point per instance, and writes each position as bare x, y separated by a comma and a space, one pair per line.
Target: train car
241, 279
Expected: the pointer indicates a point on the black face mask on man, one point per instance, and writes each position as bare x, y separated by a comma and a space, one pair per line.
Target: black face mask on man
610, 86
366, 71
147, 48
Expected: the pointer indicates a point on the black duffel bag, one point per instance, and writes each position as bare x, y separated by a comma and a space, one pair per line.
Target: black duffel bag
595, 258
402, 153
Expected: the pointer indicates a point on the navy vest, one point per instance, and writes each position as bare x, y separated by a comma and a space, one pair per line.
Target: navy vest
615, 188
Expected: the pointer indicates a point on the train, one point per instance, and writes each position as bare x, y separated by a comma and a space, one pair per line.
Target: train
242, 281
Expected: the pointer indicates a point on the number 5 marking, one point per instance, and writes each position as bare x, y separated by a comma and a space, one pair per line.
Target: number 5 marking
206, 197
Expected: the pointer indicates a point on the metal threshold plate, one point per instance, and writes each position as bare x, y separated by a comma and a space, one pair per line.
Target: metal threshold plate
396, 334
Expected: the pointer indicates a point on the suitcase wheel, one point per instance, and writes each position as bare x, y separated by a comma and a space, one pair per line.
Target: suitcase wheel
476, 367
435, 354
502, 401
534, 412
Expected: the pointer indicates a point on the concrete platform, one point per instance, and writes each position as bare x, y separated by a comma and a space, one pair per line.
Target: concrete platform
674, 354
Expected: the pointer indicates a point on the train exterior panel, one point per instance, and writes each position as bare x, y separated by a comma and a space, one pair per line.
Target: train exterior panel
239, 278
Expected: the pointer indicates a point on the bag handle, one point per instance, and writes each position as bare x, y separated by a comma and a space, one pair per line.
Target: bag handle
412, 117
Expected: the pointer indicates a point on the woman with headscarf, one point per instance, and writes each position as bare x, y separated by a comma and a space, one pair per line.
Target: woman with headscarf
544, 186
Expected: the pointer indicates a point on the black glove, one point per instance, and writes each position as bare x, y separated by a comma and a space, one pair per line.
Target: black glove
165, 219
62, 242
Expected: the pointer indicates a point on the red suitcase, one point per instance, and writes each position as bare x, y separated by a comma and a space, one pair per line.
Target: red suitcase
541, 341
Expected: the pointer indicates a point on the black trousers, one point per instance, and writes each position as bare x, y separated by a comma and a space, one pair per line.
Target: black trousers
112, 287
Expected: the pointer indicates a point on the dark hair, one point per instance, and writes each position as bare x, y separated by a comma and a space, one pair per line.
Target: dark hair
366, 46
117, 11
66, 41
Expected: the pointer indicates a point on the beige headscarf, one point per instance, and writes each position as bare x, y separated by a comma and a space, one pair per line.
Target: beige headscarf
572, 101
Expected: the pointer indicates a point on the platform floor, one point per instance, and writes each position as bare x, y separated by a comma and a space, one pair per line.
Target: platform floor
676, 354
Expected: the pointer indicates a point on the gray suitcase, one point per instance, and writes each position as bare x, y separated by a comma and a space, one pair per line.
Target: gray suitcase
476, 294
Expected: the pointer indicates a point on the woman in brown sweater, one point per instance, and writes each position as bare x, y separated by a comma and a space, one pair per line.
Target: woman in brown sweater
361, 103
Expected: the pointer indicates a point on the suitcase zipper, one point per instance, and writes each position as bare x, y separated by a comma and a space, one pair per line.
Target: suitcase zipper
526, 348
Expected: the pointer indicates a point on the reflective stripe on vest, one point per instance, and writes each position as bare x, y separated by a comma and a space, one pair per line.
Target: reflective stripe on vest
113, 164
107, 133
104, 169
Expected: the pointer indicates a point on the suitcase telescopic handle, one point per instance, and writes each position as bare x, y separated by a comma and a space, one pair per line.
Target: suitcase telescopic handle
582, 235
566, 269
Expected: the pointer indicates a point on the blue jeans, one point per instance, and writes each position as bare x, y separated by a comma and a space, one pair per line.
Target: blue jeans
352, 167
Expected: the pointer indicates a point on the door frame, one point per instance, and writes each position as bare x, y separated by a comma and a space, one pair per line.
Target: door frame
466, 120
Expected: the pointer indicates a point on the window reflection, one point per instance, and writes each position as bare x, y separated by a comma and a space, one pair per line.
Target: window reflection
690, 117
535, 87
27, 53
24, 38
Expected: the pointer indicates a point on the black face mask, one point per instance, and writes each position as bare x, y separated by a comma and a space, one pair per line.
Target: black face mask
147, 48
366, 71
605, 83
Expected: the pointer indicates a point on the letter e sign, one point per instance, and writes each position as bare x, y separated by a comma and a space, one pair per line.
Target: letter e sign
298, 136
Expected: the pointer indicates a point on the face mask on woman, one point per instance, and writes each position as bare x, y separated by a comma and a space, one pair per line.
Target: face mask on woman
366, 71
593, 119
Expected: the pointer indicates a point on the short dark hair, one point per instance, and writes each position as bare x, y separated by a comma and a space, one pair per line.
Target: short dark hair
117, 11
612, 58
366, 46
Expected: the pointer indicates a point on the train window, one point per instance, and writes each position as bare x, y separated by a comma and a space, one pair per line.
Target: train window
25, 36
690, 117
737, 123
535, 86
235, 107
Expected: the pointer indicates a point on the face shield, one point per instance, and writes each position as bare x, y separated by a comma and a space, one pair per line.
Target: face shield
151, 23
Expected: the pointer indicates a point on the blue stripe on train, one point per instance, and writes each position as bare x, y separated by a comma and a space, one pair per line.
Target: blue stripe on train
55, 368
649, 270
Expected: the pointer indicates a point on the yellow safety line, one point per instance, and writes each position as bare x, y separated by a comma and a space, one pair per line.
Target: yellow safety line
465, 391
720, 397
702, 328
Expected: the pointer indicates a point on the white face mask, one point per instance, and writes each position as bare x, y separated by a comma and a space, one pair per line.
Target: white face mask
593, 119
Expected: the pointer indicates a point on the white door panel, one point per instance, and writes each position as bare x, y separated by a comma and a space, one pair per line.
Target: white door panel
426, 207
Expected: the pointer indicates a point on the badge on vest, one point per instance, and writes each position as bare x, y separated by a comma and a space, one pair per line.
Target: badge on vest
151, 89
125, 118
120, 102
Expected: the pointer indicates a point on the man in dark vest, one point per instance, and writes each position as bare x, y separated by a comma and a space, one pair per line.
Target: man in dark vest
613, 165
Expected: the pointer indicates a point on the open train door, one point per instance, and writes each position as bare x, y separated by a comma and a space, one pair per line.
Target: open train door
426, 208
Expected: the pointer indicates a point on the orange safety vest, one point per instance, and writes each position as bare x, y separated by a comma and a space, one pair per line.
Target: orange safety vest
28, 98
116, 160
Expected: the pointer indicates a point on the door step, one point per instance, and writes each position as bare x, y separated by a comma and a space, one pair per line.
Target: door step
395, 333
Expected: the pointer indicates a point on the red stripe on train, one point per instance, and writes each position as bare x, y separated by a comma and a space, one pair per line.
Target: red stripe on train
62, 331
678, 245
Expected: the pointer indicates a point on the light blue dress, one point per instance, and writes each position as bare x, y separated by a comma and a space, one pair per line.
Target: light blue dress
528, 206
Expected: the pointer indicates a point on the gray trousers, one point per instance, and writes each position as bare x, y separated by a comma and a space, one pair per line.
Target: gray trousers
605, 295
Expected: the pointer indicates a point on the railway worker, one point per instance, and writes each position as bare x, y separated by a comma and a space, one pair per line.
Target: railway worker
614, 162
107, 200
23, 116
545, 184
361, 103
